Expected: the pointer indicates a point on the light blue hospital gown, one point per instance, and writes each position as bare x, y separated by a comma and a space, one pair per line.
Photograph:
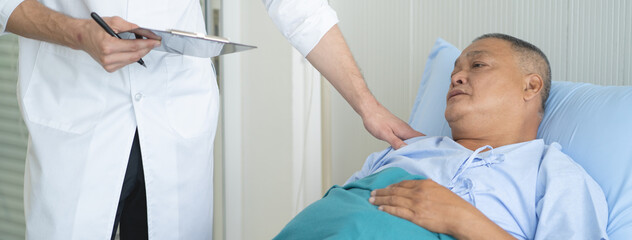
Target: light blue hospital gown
532, 190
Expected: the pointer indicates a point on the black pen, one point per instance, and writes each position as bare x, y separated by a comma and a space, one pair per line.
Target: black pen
107, 28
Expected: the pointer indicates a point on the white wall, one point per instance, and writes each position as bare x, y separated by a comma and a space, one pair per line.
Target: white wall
586, 41
271, 118
265, 103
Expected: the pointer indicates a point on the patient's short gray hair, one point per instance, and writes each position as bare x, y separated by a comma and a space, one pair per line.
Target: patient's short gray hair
532, 60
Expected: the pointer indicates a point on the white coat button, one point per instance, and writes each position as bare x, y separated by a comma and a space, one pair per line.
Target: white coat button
138, 96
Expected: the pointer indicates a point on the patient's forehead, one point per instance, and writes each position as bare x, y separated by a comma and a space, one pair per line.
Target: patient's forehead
488, 47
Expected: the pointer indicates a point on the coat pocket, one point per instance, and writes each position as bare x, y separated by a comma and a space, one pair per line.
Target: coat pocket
193, 98
66, 90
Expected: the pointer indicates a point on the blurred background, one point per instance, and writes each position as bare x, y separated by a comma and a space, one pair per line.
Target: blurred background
286, 135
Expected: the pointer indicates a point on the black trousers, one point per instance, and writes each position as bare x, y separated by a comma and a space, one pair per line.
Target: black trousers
132, 207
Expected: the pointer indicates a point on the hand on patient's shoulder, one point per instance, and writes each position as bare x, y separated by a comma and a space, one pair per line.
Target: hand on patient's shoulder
436, 208
385, 126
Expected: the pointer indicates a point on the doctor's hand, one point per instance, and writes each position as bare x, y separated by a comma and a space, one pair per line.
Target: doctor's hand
112, 53
385, 126
437, 209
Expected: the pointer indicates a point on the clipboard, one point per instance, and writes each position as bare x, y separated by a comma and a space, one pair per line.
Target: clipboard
187, 43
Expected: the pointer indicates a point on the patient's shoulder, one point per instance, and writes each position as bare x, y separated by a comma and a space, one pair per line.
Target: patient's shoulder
558, 171
556, 162
568, 200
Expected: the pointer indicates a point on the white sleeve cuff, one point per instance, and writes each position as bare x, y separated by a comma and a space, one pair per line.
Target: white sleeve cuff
6, 8
308, 34
302, 22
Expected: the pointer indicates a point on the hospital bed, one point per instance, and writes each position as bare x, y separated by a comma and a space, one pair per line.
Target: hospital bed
592, 123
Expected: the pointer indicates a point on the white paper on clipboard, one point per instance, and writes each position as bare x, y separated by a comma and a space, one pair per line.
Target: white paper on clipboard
187, 43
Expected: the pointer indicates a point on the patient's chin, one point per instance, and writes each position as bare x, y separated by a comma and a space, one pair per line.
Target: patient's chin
452, 113
458, 115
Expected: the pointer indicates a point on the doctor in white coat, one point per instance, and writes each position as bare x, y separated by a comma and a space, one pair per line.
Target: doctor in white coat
85, 102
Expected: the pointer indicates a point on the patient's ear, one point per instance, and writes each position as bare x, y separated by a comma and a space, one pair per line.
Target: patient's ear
533, 84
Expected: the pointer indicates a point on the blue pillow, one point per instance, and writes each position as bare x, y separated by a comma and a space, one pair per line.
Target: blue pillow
428, 111
592, 123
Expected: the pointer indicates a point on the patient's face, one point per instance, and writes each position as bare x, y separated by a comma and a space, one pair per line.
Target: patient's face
486, 85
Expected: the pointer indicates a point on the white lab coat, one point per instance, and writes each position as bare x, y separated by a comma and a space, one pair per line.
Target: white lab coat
81, 121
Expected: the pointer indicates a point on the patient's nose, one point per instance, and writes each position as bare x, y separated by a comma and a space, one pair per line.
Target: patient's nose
459, 78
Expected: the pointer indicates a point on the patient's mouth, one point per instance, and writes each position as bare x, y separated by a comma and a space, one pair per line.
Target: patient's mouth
455, 92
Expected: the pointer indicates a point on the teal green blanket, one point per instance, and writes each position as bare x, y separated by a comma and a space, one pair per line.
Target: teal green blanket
345, 213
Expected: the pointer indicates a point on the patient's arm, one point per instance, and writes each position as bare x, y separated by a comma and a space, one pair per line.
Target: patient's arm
434, 207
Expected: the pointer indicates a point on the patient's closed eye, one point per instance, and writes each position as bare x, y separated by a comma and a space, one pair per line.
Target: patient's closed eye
478, 65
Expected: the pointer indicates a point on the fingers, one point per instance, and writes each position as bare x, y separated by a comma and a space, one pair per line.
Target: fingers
395, 201
391, 200
401, 212
385, 126
394, 188
146, 33
401, 194
404, 131
423, 202
118, 24
113, 53
392, 130
133, 45
412, 183
123, 54
407, 132
394, 141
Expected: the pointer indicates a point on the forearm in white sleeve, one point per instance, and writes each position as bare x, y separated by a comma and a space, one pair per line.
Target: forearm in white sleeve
302, 22
6, 8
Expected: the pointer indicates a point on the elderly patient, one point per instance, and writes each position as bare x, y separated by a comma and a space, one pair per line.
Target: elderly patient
492, 180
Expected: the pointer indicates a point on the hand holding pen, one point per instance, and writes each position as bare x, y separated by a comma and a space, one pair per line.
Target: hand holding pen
113, 53
109, 30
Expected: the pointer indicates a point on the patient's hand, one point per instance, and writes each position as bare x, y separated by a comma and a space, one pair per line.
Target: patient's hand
385, 126
434, 207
